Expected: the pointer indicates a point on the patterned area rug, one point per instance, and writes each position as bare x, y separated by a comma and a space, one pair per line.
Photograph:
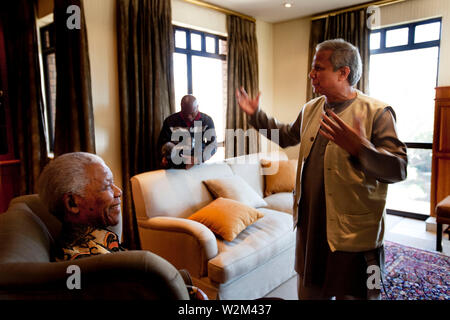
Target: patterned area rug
414, 274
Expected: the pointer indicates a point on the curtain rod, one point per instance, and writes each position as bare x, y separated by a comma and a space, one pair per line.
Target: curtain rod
379, 3
220, 9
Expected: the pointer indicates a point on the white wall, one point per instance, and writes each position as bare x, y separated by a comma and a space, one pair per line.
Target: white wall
291, 45
101, 31
193, 16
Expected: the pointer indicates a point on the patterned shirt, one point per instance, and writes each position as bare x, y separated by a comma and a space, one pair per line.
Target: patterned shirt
76, 243
80, 243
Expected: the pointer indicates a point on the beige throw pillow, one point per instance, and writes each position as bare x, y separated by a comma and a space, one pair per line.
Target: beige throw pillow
226, 218
235, 188
284, 178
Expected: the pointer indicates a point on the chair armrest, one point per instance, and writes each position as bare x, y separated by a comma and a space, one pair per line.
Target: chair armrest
121, 275
187, 244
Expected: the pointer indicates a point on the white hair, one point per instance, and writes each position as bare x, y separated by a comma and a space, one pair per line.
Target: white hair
344, 55
65, 175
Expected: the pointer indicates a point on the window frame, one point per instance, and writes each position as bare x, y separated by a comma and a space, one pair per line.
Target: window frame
202, 53
411, 35
410, 46
46, 51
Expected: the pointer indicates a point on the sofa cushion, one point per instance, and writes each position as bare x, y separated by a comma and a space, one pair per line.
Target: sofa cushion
248, 167
174, 192
258, 243
282, 201
226, 217
283, 179
251, 173
235, 188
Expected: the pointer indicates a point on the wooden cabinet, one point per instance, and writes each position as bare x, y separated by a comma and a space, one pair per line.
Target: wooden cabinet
440, 167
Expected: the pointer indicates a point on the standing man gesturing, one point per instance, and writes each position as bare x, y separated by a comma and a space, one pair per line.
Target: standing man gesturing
349, 152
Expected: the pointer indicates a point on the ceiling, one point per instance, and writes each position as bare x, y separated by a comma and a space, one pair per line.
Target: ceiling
274, 11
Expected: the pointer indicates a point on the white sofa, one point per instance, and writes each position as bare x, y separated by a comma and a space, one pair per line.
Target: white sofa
258, 260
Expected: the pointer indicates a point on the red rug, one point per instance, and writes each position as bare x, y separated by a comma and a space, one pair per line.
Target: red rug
414, 274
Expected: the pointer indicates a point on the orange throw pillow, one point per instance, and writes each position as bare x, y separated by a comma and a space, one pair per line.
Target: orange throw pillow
226, 217
284, 178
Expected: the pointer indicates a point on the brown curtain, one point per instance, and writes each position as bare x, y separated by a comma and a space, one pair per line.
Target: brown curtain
19, 25
145, 47
242, 71
350, 26
74, 119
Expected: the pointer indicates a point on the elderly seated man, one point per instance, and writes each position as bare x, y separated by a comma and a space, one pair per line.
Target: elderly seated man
78, 188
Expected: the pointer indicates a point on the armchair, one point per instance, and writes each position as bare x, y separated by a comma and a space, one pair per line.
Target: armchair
27, 233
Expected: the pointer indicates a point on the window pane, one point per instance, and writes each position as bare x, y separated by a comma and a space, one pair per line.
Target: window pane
411, 94
180, 39
180, 77
210, 45
208, 77
223, 46
413, 194
51, 73
46, 39
396, 37
427, 32
375, 40
196, 42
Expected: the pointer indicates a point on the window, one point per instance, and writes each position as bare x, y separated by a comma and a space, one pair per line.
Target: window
200, 68
403, 72
47, 40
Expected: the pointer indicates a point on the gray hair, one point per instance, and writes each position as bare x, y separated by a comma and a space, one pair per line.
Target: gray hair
65, 174
344, 55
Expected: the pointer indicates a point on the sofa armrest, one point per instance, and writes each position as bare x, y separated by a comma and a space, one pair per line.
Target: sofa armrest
187, 244
121, 275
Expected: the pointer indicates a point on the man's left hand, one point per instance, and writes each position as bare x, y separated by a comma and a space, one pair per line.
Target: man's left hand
348, 138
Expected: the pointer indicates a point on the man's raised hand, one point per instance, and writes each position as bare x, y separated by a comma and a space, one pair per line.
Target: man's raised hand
249, 106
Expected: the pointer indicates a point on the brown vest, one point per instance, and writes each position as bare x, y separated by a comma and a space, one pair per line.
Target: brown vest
355, 204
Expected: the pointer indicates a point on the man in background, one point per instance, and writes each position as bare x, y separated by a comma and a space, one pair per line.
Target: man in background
187, 137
